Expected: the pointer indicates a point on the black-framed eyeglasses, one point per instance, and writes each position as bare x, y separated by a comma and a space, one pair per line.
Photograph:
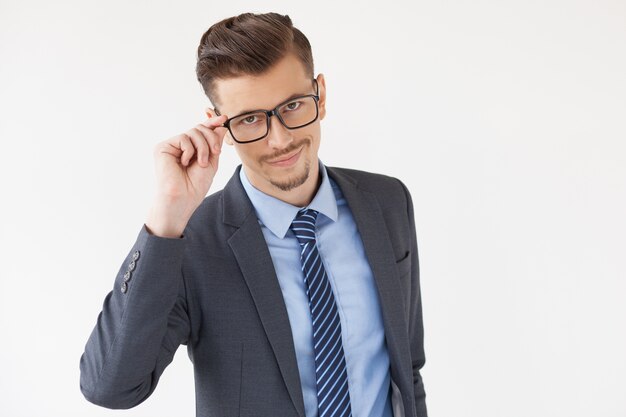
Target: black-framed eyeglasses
294, 113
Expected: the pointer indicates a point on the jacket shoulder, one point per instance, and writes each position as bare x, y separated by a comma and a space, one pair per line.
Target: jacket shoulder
383, 186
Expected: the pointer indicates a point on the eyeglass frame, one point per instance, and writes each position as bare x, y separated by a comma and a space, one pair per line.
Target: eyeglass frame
274, 112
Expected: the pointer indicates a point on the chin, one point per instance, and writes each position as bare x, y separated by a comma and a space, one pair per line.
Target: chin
288, 182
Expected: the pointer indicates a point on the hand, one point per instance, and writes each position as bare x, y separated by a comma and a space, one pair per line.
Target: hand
185, 166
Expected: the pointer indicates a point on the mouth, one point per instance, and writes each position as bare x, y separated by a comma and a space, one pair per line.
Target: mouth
287, 160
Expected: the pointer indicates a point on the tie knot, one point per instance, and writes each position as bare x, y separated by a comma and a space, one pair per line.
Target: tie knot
303, 226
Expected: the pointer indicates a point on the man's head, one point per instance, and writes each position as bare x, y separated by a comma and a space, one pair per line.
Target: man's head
255, 62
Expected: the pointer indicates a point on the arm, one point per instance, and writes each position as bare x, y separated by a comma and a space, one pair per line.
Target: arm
416, 325
143, 322
139, 330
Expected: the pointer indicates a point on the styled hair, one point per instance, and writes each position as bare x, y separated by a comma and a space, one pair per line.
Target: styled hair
248, 44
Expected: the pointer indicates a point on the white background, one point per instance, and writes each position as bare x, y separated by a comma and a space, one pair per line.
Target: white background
506, 119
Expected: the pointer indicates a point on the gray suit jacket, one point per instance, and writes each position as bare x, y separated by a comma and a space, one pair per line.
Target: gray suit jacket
215, 290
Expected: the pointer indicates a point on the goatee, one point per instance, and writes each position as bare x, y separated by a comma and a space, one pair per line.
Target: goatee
293, 182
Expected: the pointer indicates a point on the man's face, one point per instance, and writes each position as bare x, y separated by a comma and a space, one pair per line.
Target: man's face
285, 159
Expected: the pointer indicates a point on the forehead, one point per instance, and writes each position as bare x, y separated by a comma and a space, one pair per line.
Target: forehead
251, 92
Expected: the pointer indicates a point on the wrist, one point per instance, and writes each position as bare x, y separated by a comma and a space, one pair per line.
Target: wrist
162, 224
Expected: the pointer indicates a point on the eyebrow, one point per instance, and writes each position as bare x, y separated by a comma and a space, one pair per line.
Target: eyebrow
287, 99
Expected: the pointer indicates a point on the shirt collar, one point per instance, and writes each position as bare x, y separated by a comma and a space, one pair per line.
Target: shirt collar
277, 215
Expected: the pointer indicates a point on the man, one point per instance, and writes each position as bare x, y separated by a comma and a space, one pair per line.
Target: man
296, 287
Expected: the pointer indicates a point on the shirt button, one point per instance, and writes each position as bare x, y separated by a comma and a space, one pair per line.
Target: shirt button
135, 255
131, 265
127, 276
124, 287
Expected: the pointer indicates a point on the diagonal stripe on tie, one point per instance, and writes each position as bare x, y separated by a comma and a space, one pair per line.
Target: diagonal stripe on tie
333, 394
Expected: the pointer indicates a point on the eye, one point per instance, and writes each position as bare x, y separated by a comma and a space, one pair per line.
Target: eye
292, 106
249, 120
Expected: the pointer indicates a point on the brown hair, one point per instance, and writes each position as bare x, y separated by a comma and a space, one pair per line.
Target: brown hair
248, 44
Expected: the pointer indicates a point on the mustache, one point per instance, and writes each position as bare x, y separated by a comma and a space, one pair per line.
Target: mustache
287, 150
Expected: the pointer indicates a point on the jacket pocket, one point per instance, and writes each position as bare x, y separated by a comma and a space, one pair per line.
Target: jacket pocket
404, 265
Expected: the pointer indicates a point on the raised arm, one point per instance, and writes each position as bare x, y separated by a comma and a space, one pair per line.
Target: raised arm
144, 318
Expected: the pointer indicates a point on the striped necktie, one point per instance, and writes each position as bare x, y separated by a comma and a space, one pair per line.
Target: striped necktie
333, 395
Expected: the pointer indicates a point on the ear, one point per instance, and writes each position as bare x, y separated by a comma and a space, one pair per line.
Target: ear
321, 82
210, 112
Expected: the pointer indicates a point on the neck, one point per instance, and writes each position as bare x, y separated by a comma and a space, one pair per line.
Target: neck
300, 196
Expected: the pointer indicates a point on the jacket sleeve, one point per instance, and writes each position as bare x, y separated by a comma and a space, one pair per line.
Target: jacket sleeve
143, 321
416, 325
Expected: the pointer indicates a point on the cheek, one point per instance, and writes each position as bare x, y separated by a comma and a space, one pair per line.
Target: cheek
315, 140
252, 152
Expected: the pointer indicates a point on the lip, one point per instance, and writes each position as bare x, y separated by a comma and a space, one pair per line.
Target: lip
289, 161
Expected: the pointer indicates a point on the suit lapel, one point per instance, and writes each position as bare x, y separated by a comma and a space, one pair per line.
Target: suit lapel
252, 254
371, 226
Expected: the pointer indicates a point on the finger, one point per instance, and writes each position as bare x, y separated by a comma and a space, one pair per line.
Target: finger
213, 122
214, 138
201, 144
169, 146
187, 147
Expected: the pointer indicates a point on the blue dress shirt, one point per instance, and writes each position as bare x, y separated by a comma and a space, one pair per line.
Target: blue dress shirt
351, 278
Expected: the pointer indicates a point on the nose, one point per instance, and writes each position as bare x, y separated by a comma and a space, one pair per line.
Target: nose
279, 136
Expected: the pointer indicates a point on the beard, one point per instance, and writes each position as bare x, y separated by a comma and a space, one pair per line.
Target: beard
297, 179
